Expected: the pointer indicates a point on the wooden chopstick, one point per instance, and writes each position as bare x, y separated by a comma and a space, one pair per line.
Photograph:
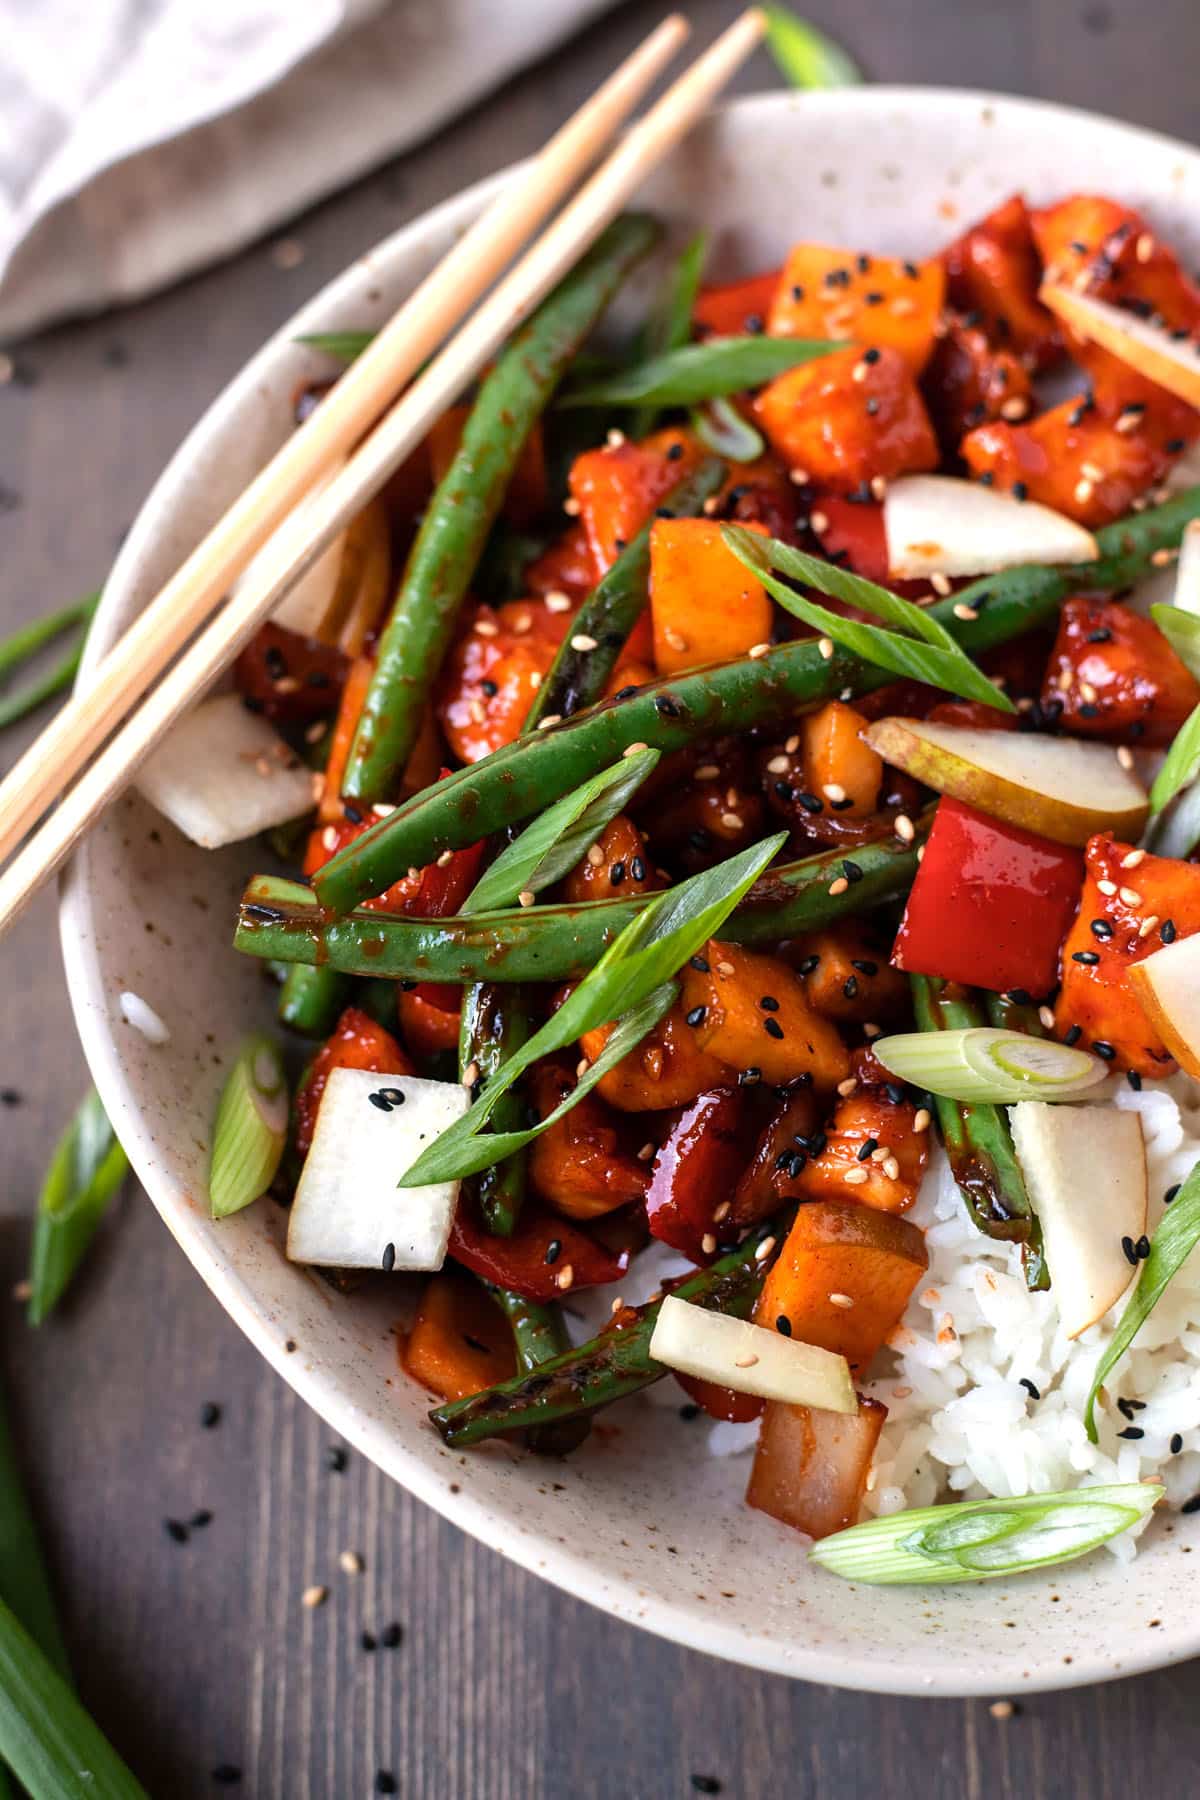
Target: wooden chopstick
354, 404
394, 437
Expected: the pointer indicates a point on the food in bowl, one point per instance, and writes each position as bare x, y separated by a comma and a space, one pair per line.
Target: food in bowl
789, 938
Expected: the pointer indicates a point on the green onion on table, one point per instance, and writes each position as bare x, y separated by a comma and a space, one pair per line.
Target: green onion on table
85, 1172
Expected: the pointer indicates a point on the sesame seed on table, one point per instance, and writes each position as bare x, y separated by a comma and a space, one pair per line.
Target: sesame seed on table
188, 1501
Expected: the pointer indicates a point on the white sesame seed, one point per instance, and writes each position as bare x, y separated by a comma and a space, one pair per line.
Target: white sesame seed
847, 1087
646, 1153
526, 897
287, 253
315, 732
758, 650
963, 611
141, 1015
707, 772
1063, 680
350, 1562
921, 1119
1107, 887
904, 828
712, 505
595, 855
732, 821
845, 1301
1129, 421
571, 508
1087, 693
878, 487
581, 1068
726, 968
549, 720
1125, 756
940, 584
565, 1277
634, 749
556, 601
1016, 408
871, 1030
820, 523
1004, 1709
778, 765
1161, 558
615, 439
722, 1212
792, 744
1134, 858
1131, 897
314, 1596
674, 638
891, 1168
708, 1243
487, 628
825, 646
903, 306
839, 886
856, 1176
383, 809
522, 623
746, 1361
860, 371
1046, 1017
880, 1154
477, 712
581, 641
1144, 248
22, 1291
329, 838
834, 791
470, 1075
1084, 491
763, 1250
445, 859
617, 1304
1147, 925
799, 476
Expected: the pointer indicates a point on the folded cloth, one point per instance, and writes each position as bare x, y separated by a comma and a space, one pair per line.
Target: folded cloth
142, 139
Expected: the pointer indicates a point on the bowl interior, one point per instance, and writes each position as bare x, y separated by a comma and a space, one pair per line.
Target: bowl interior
642, 1522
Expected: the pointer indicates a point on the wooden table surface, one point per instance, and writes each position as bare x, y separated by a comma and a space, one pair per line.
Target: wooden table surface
199, 1655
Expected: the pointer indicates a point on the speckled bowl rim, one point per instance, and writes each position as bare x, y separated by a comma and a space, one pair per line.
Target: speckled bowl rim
566, 1568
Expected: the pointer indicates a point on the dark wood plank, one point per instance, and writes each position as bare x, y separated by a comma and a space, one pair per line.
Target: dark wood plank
198, 1654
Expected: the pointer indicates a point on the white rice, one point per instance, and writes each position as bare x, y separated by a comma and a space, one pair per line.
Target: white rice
960, 1423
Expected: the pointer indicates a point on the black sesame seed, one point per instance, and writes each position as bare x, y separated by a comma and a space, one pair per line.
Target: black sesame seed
210, 1414
1192, 1505
392, 1636
1167, 931
863, 966
699, 839
176, 1530
489, 687
408, 985
1128, 1251
1134, 1080
368, 1641
1103, 1048
381, 1101
389, 1258
894, 1092
867, 1149
1101, 929
1176, 1444
637, 869
674, 453
872, 407
700, 963
352, 813
393, 1096
1171, 1194
808, 965
697, 1015
666, 708
1085, 956
811, 803
755, 324
911, 270
385, 1782
616, 874
10, 1096
1020, 490
1018, 996
226, 1775
1034, 1392
851, 871
1102, 636
850, 987
275, 661
748, 1077
769, 1003
708, 1784
797, 292
1089, 710
624, 693
1142, 1247
1125, 1407
1073, 1035
689, 1411
1131, 1431
336, 1459
773, 1028
871, 355
553, 1250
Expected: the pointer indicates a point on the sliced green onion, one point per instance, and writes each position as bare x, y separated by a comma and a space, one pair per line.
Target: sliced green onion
721, 426
670, 324
983, 1063
87, 1168
977, 1540
24, 1581
55, 1750
806, 58
553, 845
251, 1128
1177, 1236
696, 372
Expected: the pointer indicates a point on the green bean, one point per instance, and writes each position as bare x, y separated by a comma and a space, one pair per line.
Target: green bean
539, 1335
577, 677
495, 1023
1007, 1013
312, 998
281, 920
611, 1366
468, 499
977, 1139
530, 774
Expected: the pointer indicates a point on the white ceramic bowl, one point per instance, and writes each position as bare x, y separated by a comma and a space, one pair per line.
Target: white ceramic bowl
641, 1523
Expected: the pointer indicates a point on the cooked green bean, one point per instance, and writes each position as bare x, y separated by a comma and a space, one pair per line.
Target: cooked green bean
539, 1335
281, 920
495, 1023
312, 999
468, 498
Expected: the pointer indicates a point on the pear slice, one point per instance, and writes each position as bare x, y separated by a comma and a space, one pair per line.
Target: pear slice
1167, 985
1059, 787
1085, 1169
939, 524
1174, 363
750, 1359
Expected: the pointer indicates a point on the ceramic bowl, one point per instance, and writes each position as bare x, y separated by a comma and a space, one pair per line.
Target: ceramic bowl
642, 1522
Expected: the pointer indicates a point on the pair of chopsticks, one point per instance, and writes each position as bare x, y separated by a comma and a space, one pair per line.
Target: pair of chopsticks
126, 708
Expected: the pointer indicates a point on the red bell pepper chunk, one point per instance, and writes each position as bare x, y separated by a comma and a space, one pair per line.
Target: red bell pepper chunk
287, 676
696, 1169
991, 904
721, 1402
356, 1042
545, 1257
